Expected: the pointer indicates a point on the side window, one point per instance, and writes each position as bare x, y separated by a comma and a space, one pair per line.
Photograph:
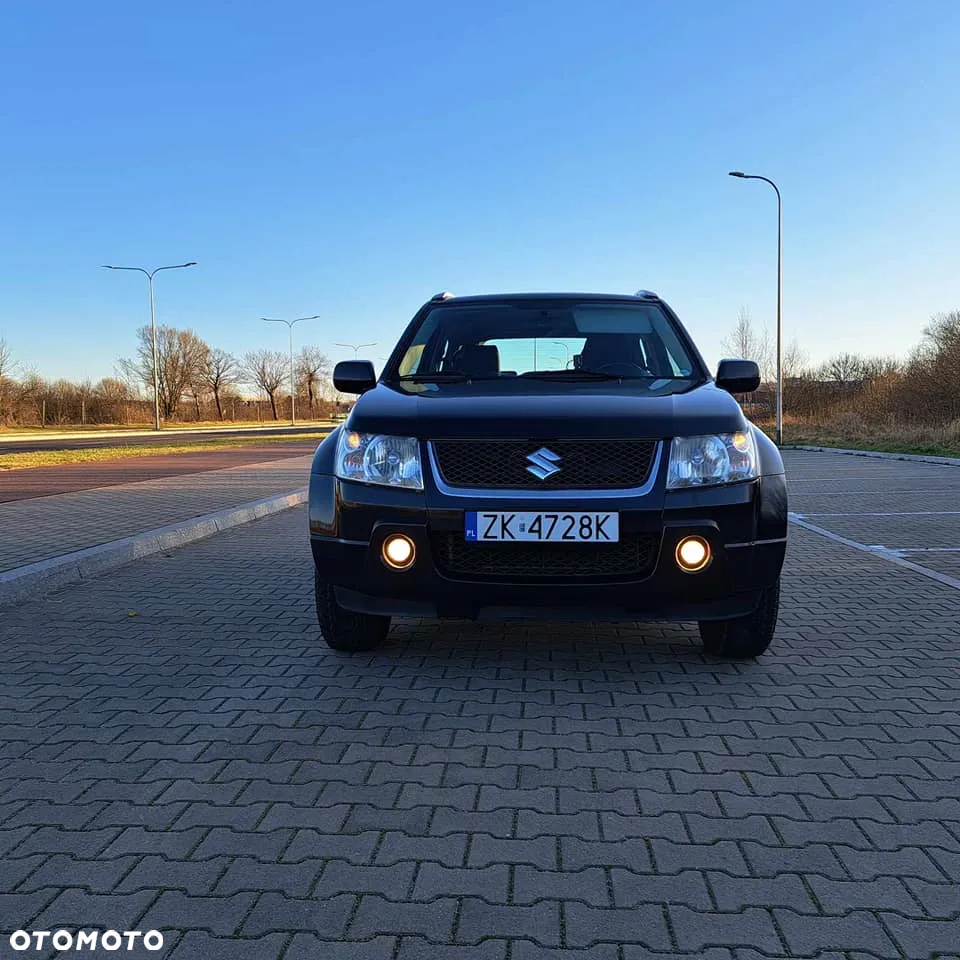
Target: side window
661, 358
411, 359
417, 356
676, 355
674, 366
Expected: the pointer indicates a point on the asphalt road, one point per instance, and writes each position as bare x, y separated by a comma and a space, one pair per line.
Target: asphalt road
181, 752
67, 478
11, 445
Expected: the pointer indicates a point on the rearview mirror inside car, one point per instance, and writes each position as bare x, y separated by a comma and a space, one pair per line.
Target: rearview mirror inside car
738, 376
354, 376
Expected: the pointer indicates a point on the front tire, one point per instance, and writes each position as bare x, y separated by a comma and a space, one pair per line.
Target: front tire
343, 629
744, 637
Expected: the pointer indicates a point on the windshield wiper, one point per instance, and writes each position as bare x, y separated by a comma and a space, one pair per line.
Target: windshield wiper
595, 375
448, 377
576, 375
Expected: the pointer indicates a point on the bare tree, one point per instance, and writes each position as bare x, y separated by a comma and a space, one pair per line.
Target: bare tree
267, 369
942, 334
197, 384
795, 361
6, 359
875, 368
844, 368
935, 368
221, 372
940, 349
197, 391
84, 393
180, 358
139, 370
6, 370
27, 391
747, 343
853, 368
62, 401
112, 397
740, 341
313, 366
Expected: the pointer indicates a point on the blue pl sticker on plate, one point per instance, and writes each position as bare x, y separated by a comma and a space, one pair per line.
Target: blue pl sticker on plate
470, 528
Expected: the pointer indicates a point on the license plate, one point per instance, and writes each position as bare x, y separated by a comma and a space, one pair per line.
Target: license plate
560, 526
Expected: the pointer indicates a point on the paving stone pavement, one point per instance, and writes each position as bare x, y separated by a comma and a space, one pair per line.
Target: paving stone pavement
179, 751
44, 527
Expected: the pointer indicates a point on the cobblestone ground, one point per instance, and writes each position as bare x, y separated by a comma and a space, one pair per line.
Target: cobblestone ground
36, 529
179, 751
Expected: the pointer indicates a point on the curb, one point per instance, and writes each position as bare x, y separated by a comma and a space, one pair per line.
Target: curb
36, 579
879, 455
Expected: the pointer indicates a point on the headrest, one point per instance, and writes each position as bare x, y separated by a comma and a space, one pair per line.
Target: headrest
478, 360
611, 348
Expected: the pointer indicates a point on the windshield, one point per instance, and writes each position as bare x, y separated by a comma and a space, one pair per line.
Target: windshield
556, 340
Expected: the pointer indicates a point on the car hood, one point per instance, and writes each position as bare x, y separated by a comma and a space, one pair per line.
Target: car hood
553, 410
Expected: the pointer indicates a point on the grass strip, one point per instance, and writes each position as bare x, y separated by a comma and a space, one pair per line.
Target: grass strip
50, 458
880, 443
168, 428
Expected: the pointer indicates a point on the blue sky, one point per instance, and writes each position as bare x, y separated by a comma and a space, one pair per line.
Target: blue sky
353, 159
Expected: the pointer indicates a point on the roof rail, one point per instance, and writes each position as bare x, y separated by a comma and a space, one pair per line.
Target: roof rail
646, 295
446, 295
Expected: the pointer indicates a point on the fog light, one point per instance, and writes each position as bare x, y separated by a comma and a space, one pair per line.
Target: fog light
398, 551
693, 554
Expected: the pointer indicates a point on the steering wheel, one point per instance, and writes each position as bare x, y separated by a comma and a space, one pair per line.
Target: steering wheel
622, 368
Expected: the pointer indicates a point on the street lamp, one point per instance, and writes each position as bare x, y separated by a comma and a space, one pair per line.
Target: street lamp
560, 343
153, 329
752, 176
355, 347
293, 384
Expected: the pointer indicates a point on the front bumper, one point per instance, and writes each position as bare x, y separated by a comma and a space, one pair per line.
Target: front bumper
745, 525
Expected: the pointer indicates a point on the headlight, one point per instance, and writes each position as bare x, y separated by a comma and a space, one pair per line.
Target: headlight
705, 461
373, 458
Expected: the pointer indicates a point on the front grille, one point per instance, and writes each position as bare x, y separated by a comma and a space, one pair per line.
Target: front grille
583, 464
631, 558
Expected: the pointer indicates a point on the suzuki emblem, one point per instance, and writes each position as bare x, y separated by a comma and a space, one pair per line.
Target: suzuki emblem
543, 463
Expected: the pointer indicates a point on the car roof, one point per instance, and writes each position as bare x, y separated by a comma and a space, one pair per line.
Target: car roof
493, 297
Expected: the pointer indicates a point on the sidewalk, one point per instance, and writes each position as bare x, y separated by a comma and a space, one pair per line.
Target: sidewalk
56, 539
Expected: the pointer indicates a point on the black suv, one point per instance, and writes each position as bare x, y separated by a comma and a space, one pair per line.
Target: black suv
548, 456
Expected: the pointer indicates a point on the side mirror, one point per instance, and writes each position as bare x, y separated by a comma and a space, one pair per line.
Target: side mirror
354, 376
738, 376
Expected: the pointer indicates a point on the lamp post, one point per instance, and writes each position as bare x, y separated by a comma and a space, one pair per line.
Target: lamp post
149, 274
293, 383
752, 176
566, 347
355, 347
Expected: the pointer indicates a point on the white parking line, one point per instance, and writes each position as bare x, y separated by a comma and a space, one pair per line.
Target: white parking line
887, 491
877, 551
899, 513
924, 549
866, 476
